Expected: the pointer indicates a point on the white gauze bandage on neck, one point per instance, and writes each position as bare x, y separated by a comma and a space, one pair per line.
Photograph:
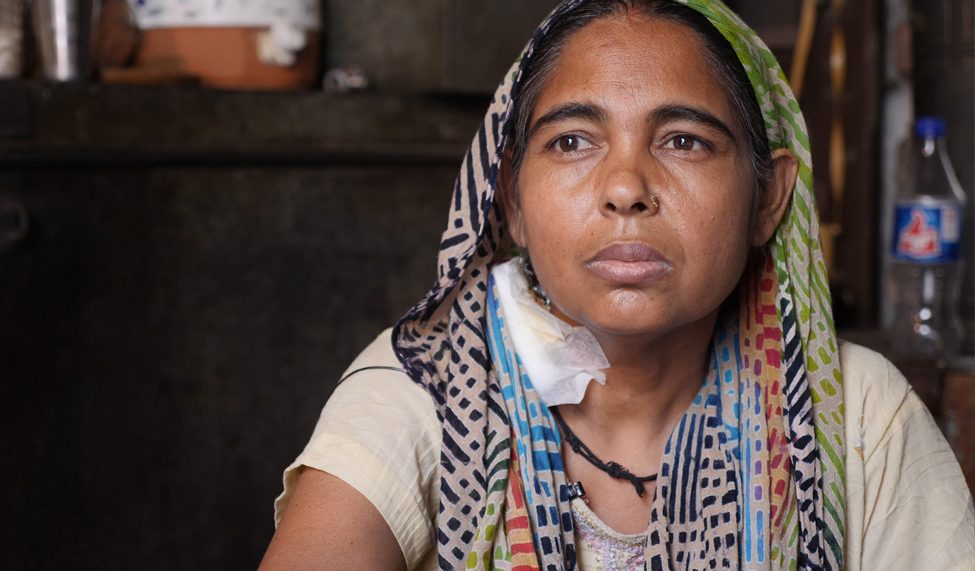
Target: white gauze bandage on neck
560, 359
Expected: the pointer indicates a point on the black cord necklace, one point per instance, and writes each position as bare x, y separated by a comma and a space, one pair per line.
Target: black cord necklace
612, 468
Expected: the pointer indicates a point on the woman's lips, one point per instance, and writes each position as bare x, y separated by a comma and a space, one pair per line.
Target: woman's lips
629, 263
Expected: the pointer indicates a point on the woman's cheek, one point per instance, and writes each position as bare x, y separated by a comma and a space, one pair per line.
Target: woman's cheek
558, 218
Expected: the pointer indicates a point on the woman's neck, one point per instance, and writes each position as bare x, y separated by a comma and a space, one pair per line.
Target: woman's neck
650, 384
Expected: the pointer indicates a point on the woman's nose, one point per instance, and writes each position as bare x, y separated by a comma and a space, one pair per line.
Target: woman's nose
627, 191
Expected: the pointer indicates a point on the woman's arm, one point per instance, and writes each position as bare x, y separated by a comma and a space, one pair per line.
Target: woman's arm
329, 525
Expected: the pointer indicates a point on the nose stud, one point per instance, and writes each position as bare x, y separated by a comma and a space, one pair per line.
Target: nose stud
656, 203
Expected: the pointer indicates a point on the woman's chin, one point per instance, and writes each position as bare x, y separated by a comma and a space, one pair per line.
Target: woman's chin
657, 318
630, 329
627, 321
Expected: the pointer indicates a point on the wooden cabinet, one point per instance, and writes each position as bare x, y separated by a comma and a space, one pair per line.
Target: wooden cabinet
199, 269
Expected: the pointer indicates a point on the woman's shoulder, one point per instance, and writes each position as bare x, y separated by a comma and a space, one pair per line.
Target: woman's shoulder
375, 409
871, 380
379, 433
884, 417
377, 374
908, 506
876, 395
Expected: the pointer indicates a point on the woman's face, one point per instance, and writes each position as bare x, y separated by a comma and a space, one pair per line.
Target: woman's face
632, 112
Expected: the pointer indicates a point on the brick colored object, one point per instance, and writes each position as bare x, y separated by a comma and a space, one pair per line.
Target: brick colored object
227, 57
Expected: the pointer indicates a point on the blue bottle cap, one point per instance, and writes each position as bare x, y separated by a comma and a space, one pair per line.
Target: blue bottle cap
929, 127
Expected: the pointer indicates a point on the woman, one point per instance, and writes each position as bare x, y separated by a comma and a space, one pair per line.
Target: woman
650, 164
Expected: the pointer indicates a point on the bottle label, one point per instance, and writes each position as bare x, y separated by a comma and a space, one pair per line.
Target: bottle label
927, 234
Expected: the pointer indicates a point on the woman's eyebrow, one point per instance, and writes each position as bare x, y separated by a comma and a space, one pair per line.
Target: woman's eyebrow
573, 110
684, 113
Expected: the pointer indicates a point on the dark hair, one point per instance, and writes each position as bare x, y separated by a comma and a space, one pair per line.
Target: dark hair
718, 53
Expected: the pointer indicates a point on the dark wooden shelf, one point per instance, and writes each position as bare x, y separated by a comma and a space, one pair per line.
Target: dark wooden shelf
43, 123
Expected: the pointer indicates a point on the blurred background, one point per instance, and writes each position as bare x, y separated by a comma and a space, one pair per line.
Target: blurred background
208, 208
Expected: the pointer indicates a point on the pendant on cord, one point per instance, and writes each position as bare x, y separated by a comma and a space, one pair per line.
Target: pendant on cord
614, 469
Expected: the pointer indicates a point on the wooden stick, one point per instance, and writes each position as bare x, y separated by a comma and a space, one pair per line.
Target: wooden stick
804, 38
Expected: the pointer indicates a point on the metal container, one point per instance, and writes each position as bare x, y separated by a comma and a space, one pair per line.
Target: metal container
11, 38
58, 31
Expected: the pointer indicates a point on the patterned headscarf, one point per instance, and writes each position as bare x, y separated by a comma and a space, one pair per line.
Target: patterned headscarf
783, 351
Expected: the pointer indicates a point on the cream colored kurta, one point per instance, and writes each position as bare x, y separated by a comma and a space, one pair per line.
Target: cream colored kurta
907, 505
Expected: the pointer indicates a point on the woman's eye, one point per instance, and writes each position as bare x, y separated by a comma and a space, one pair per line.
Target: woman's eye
686, 143
572, 143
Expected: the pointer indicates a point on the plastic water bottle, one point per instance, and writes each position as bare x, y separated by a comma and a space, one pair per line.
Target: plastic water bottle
926, 272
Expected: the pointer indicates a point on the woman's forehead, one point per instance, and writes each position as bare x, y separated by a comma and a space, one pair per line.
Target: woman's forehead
633, 66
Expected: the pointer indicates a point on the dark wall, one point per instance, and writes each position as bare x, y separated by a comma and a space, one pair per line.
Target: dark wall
168, 337
944, 71
431, 45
